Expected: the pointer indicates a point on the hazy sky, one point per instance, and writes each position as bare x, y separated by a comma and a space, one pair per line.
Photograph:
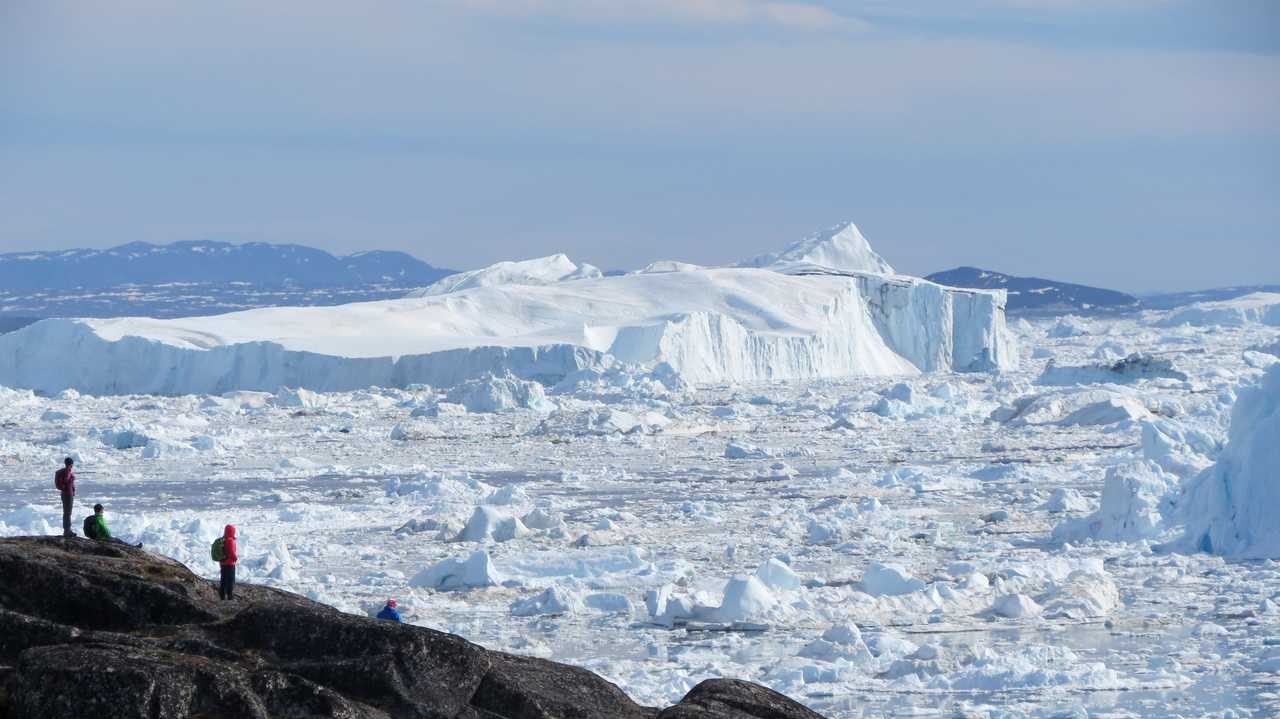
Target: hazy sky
1128, 143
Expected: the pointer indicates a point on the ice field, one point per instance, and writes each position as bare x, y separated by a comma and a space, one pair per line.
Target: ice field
929, 545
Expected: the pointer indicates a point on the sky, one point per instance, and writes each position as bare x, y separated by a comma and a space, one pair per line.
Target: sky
1132, 144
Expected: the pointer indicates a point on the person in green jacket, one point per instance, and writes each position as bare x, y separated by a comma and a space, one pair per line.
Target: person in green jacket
95, 527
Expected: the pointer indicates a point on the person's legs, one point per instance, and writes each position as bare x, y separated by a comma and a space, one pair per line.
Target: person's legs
67, 501
228, 585
222, 582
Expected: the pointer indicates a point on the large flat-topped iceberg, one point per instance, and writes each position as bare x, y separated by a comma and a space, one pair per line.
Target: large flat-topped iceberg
711, 325
841, 248
540, 271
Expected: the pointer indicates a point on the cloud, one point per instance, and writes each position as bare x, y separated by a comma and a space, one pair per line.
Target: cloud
795, 15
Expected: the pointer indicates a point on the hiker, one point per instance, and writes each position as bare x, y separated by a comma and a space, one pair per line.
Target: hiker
224, 553
65, 480
390, 613
95, 527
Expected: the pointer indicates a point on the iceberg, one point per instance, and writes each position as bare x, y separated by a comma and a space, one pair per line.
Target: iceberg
540, 271
708, 325
1230, 508
1257, 308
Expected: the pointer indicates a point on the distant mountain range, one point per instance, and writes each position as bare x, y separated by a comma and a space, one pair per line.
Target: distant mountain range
1036, 295
197, 278
256, 263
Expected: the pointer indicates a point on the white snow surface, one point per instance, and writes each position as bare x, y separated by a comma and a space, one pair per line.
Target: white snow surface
1257, 308
711, 325
841, 248
539, 271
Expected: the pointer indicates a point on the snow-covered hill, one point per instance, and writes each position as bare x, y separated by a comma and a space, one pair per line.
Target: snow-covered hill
710, 325
1033, 294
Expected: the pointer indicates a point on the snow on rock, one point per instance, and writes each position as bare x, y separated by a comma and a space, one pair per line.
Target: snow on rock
1134, 506
490, 523
841, 248
1231, 507
1257, 308
539, 271
476, 570
889, 580
707, 325
499, 394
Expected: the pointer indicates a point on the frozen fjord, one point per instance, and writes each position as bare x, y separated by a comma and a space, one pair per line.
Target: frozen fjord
948, 542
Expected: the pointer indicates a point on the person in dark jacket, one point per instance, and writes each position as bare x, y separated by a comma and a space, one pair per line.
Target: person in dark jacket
65, 480
228, 563
95, 527
390, 612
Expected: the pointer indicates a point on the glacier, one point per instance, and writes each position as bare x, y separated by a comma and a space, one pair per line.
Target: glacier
792, 320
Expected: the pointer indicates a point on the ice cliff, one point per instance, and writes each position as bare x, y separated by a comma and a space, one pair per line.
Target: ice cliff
1230, 508
710, 325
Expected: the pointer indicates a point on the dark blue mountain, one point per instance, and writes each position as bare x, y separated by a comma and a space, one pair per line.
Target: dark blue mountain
256, 263
1033, 294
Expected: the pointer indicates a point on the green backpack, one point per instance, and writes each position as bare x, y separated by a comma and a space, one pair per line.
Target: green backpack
217, 552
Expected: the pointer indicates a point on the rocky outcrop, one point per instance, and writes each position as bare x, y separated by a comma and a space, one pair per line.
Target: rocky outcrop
110, 631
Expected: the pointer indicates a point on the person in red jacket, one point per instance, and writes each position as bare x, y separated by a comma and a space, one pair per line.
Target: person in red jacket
65, 480
228, 563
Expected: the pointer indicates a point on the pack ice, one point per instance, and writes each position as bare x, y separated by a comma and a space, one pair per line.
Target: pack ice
827, 306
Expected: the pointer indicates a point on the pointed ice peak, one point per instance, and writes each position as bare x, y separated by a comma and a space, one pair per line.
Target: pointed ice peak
841, 248
538, 271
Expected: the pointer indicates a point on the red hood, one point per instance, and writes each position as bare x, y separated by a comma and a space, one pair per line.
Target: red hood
229, 532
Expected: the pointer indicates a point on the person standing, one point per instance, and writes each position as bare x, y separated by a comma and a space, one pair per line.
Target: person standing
65, 480
228, 563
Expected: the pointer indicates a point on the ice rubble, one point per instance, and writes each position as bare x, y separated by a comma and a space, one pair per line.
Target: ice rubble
1230, 508
1257, 308
539, 271
707, 325
1130, 369
1133, 506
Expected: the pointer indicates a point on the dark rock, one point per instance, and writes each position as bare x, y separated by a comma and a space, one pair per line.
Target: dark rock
736, 699
111, 631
